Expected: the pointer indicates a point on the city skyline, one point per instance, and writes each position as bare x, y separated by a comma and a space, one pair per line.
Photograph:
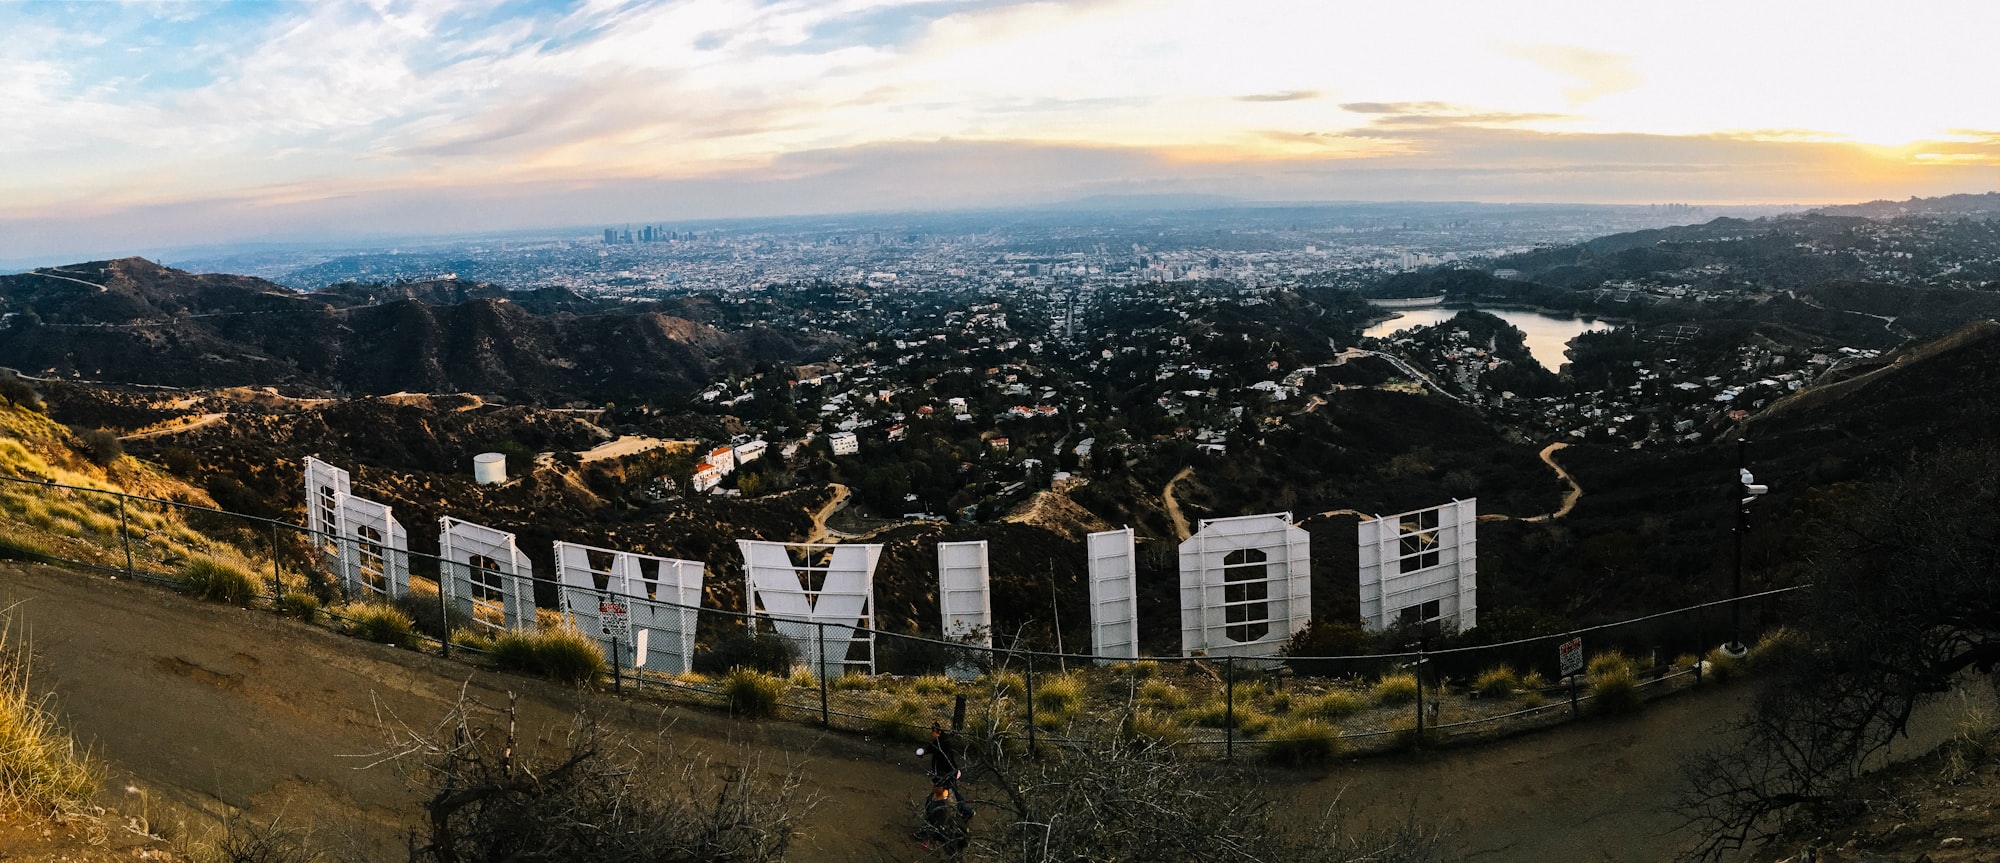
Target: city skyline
155, 125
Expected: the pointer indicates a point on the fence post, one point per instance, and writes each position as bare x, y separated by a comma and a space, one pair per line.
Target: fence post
277, 574
1420, 695
1229, 708
819, 649
125, 533
1031, 704
444, 608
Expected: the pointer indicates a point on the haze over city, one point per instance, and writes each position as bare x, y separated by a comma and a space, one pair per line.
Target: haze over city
148, 126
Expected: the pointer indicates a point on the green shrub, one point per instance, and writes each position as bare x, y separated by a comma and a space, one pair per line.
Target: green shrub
15, 546
1008, 683
1301, 743
1149, 727
214, 581
852, 681
1497, 682
1328, 706
1614, 691
990, 725
934, 684
1721, 666
474, 637
1251, 721
1060, 696
752, 693
98, 445
1279, 702
381, 624
757, 649
1162, 694
1776, 648
1395, 689
1608, 663
906, 718
802, 677
1144, 669
1215, 714
299, 604
429, 617
559, 653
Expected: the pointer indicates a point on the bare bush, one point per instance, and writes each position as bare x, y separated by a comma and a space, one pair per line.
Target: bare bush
1901, 609
493, 795
1115, 799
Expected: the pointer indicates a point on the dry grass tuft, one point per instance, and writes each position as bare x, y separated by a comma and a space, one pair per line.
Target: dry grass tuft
559, 653
42, 772
1395, 689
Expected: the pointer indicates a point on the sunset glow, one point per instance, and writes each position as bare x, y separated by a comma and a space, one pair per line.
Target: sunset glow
280, 118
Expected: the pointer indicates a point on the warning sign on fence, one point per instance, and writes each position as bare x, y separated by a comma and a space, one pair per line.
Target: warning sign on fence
615, 620
1570, 656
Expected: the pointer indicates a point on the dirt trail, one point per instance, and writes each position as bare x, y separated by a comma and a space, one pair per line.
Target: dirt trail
1181, 530
631, 445
820, 532
210, 706
1570, 497
198, 422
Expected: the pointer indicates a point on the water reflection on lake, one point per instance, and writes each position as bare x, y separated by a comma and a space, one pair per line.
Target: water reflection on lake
1547, 335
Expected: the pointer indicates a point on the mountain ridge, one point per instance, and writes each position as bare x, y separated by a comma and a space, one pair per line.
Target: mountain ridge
133, 321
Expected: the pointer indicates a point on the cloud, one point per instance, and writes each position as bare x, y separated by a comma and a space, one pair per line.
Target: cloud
1281, 96
1395, 119
1445, 163
1596, 73
1398, 107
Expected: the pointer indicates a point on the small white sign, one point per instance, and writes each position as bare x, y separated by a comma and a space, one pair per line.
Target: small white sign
1571, 656
639, 657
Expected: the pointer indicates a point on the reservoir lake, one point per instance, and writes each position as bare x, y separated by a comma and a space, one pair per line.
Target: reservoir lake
1548, 335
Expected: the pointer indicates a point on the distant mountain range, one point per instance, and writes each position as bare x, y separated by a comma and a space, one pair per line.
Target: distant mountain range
1947, 205
134, 321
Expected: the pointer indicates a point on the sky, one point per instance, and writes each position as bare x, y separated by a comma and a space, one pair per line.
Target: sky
139, 125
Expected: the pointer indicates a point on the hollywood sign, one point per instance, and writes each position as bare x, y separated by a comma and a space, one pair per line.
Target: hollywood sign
1245, 582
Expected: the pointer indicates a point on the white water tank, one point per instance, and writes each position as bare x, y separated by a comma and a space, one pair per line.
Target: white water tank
489, 468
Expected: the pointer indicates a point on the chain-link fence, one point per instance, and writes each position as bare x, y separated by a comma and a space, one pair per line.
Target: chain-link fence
842, 675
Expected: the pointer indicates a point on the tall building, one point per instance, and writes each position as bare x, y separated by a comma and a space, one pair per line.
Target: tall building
610, 236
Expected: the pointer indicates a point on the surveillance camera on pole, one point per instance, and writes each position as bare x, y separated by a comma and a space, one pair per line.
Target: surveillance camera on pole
1748, 490
1751, 489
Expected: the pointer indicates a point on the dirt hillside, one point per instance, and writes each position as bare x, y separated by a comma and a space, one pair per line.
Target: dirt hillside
214, 707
